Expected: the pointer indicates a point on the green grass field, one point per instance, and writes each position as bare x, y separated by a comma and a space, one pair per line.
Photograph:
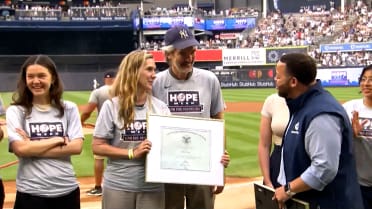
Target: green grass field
242, 132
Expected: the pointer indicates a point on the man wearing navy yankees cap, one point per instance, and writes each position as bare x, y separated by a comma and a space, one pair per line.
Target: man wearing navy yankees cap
188, 91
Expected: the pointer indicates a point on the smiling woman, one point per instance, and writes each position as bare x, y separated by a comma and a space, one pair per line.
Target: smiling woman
360, 111
120, 135
43, 132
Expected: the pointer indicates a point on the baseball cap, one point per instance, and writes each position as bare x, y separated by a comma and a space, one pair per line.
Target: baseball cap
180, 37
109, 74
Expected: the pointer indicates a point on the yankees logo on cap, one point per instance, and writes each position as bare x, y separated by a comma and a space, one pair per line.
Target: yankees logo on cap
180, 37
183, 34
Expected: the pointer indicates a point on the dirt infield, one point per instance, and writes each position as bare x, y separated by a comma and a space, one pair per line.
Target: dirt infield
238, 192
243, 106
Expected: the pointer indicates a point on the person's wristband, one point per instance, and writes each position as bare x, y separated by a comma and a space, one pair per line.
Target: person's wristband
130, 154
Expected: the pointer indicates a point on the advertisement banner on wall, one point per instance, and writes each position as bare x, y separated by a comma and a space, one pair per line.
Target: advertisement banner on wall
339, 76
290, 6
230, 23
165, 22
264, 77
248, 77
248, 84
199, 23
229, 36
273, 54
243, 57
347, 47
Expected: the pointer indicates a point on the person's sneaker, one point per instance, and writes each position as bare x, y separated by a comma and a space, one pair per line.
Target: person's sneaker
96, 191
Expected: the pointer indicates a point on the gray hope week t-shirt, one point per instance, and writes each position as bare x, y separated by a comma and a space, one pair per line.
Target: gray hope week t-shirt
198, 96
49, 177
123, 174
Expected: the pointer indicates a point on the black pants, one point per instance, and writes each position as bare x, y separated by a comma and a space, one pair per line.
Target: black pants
27, 201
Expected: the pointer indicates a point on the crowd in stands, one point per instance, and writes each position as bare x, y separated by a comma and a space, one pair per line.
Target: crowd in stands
233, 12
98, 11
360, 30
310, 27
205, 13
334, 59
166, 12
39, 11
277, 30
108, 9
47, 11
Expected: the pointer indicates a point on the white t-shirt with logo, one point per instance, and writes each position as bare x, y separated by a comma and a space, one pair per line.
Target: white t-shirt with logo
48, 177
198, 96
123, 174
362, 144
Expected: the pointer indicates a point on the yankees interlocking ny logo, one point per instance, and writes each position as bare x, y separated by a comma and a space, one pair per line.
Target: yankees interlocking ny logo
184, 34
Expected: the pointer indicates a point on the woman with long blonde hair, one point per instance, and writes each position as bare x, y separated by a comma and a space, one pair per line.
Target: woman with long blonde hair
120, 135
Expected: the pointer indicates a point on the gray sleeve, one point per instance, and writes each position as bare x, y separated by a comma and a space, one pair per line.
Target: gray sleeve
105, 122
323, 145
74, 128
14, 119
93, 98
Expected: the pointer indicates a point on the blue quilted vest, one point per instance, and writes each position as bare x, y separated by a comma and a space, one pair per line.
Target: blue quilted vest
343, 192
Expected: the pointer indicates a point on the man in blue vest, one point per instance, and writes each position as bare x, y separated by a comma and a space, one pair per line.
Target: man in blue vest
317, 161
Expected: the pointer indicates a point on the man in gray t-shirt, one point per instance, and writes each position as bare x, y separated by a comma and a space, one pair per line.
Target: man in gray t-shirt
96, 100
188, 91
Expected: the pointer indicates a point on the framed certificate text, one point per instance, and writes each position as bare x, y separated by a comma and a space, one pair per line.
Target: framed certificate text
185, 150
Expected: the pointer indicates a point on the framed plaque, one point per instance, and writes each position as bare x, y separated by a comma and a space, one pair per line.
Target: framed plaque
185, 150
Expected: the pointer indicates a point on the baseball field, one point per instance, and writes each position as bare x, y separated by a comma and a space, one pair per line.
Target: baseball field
242, 120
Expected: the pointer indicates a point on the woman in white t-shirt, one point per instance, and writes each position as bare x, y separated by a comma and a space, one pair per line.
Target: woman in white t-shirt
44, 131
120, 134
274, 119
360, 114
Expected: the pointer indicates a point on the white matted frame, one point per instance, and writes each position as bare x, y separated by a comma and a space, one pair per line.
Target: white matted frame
185, 150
